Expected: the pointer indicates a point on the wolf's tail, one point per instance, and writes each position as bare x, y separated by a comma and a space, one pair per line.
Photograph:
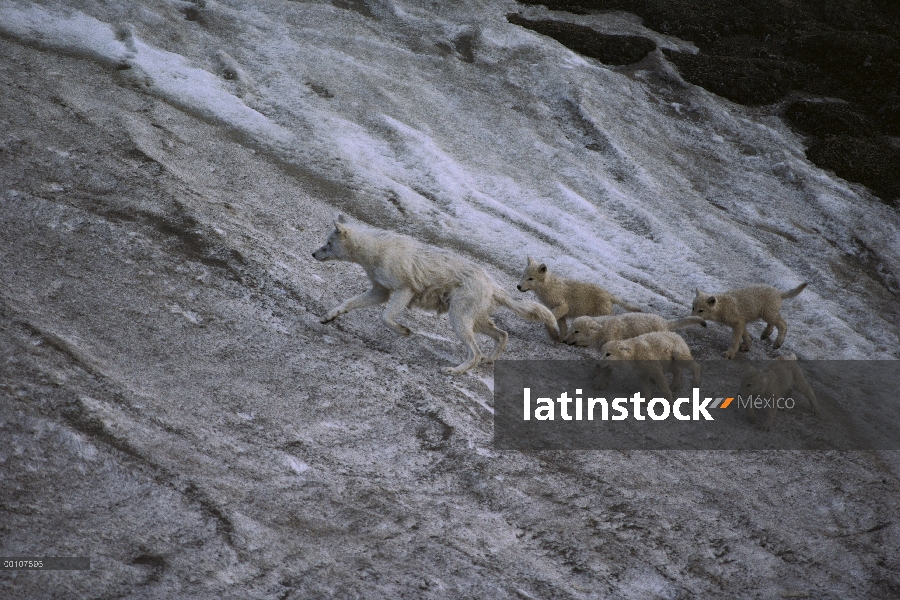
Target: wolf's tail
686, 322
531, 311
793, 292
625, 305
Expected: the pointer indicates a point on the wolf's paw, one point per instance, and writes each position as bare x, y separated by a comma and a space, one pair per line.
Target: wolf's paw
729, 354
404, 331
328, 318
776, 345
744, 348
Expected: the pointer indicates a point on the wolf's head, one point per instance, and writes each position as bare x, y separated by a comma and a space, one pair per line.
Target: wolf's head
753, 382
705, 305
534, 275
583, 332
335, 246
617, 350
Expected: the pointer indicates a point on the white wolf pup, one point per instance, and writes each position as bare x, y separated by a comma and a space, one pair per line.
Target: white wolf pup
738, 307
405, 272
655, 353
596, 331
777, 380
567, 297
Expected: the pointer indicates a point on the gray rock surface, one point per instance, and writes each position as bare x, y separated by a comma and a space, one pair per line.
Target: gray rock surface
171, 406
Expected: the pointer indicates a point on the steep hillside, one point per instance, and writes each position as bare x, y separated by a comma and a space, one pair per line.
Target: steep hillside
171, 406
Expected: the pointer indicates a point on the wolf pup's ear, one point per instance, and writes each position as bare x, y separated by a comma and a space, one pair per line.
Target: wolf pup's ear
340, 227
341, 218
711, 300
542, 268
530, 261
697, 292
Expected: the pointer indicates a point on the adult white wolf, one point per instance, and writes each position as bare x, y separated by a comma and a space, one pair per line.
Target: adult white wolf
405, 272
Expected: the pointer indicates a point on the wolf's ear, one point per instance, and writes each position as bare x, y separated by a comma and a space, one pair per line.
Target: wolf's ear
341, 218
542, 268
340, 227
530, 261
711, 300
697, 292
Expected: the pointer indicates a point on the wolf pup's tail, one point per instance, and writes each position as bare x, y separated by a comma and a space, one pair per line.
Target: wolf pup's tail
531, 311
625, 305
686, 322
793, 292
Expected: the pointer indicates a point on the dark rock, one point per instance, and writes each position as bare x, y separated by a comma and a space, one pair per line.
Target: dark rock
755, 51
750, 81
875, 165
828, 118
608, 49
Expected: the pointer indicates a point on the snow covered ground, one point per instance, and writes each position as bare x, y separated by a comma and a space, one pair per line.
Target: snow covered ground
189, 156
482, 135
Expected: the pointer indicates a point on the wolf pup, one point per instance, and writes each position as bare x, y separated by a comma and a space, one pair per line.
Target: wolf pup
655, 353
567, 297
738, 307
777, 380
596, 331
405, 272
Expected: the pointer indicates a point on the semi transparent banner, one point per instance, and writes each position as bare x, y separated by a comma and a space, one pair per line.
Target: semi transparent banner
719, 405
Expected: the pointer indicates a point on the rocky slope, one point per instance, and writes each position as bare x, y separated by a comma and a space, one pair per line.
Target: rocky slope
171, 407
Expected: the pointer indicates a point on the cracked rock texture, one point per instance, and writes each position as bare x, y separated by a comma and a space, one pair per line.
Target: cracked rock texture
843, 54
171, 406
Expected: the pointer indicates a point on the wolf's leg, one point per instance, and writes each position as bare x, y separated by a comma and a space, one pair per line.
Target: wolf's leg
738, 331
462, 322
801, 385
399, 300
695, 374
563, 329
676, 377
656, 374
552, 333
767, 331
782, 329
745, 341
487, 327
376, 295
559, 313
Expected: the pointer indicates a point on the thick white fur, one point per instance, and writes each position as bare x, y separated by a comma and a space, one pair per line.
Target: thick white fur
653, 354
596, 331
778, 379
736, 308
405, 272
567, 298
